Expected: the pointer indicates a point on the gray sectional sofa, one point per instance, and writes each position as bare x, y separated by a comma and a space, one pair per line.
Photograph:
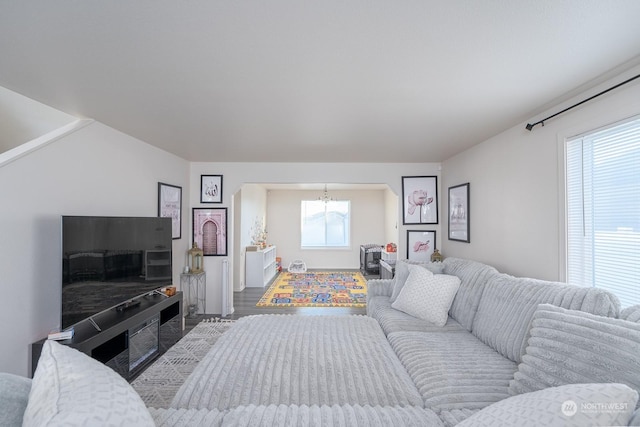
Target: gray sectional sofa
512, 351
476, 358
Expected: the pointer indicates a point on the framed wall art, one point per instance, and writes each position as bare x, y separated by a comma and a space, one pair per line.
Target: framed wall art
210, 230
420, 199
459, 213
420, 245
210, 188
170, 206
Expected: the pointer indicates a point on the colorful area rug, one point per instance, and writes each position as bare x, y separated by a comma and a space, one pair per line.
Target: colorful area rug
316, 289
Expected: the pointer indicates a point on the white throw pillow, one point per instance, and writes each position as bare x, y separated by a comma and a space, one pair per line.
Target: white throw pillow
402, 273
427, 296
69, 388
568, 405
400, 278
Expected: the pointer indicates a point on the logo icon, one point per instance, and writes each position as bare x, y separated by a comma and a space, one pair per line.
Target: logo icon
569, 408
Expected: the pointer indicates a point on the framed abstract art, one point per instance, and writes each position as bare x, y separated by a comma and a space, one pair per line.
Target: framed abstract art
420, 245
170, 206
420, 200
458, 215
210, 188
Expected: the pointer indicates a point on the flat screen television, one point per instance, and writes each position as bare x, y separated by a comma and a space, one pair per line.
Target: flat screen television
110, 261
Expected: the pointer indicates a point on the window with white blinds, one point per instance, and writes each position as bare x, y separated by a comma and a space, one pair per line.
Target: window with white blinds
603, 210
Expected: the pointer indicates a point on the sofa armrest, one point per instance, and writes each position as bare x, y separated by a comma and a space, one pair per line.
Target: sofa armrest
15, 395
379, 287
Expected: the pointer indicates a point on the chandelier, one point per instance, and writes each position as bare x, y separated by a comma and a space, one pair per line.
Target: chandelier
325, 196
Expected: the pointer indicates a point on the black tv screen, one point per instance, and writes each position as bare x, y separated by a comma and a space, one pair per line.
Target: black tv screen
107, 261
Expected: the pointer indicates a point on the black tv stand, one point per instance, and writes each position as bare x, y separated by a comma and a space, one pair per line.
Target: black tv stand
94, 324
158, 317
127, 305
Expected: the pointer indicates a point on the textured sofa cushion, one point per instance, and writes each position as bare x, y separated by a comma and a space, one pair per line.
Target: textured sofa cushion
294, 415
635, 418
70, 388
392, 320
14, 395
568, 405
299, 360
569, 346
453, 370
473, 277
427, 296
632, 314
508, 303
456, 416
402, 273
379, 287
173, 417
329, 416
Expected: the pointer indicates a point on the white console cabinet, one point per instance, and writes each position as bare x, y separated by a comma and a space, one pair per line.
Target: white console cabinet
260, 267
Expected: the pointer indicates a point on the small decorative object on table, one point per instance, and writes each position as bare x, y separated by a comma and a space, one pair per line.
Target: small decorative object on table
436, 256
259, 234
195, 258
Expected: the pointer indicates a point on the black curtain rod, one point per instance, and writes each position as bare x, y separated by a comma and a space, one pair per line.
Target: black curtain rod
531, 125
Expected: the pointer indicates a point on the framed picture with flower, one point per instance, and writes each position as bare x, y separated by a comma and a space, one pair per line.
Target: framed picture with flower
420, 245
420, 199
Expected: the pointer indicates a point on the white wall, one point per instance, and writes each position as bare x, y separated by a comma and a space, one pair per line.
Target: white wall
236, 174
237, 270
392, 216
93, 171
516, 187
22, 119
283, 224
253, 199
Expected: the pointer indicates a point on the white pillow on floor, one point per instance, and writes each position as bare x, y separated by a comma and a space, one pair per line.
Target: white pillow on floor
427, 296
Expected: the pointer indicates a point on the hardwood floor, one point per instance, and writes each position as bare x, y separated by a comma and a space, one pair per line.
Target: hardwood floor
244, 303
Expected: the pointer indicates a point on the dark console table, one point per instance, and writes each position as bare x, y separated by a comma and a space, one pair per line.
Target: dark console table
129, 339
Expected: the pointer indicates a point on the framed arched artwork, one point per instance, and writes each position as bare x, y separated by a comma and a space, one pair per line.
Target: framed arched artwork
210, 230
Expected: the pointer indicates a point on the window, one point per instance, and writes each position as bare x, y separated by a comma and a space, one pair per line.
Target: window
603, 210
325, 225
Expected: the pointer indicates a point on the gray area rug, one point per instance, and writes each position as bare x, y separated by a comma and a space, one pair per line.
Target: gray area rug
158, 384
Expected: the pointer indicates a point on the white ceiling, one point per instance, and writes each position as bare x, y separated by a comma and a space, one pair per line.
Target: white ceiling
307, 81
